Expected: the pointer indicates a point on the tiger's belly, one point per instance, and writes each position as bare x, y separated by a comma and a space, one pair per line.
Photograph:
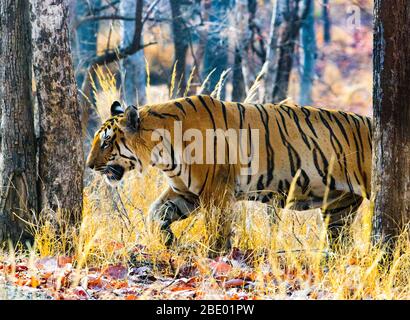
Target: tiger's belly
303, 193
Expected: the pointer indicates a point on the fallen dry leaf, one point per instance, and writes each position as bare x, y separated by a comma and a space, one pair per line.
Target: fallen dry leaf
220, 268
20, 268
116, 271
234, 283
63, 260
81, 293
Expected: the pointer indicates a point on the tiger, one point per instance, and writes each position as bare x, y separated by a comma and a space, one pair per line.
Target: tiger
307, 157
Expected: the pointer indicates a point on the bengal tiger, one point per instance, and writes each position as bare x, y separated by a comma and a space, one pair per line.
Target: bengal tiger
323, 155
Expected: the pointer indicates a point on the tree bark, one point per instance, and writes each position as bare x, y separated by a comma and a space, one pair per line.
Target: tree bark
242, 41
61, 160
181, 38
216, 50
238, 81
272, 49
134, 76
18, 193
287, 44
391, 140
326, 22
309, 56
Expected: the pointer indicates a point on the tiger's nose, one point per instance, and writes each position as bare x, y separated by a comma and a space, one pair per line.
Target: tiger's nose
90, 165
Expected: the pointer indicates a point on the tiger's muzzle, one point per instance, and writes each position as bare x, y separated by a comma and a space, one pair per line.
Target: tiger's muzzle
114, 172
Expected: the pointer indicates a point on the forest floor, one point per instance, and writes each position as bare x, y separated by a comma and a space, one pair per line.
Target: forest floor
223, 278
115, 256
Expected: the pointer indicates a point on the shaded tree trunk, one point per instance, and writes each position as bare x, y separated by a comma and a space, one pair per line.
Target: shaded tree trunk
238, 81
287, 44
18, 193
272, 49
326, 22
391, 140
216, 50
309, 56
134, 76
61, 160
241, 47
181, 41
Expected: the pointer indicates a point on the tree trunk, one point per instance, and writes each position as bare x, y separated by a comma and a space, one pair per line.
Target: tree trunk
134, 76
391, 140
181, 40
289, 35
216, 50
242, 39
61, 160
326, 22
309, 56
238, 81
18, 193
272, 49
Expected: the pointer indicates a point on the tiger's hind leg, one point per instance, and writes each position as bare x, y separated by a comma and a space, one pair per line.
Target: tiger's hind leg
340, 214
170, 207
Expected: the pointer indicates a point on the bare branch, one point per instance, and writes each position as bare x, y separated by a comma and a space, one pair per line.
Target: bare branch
106, 17
135, 45
107, 6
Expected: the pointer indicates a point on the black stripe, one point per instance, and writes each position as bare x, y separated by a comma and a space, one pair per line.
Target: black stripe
180, 107
203, 185
323, 172
283, 122
208, 110
173, 165
224, 114
333, 139
122, 155
189, 176
342, 129
191, 103
163, 115
292, 153
260, 185
357, 125
302, 134
251, 150
241, 110
269, 151
309, 123
213, 125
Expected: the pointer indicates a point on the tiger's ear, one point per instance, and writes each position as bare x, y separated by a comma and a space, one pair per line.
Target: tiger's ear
132, 118
116, 109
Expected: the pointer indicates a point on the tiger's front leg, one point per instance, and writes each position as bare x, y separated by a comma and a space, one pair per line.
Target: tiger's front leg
170, 207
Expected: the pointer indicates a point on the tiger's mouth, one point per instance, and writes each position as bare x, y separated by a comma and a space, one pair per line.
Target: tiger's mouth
114, 173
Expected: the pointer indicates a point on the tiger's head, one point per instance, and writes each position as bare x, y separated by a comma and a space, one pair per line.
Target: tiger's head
112, 152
